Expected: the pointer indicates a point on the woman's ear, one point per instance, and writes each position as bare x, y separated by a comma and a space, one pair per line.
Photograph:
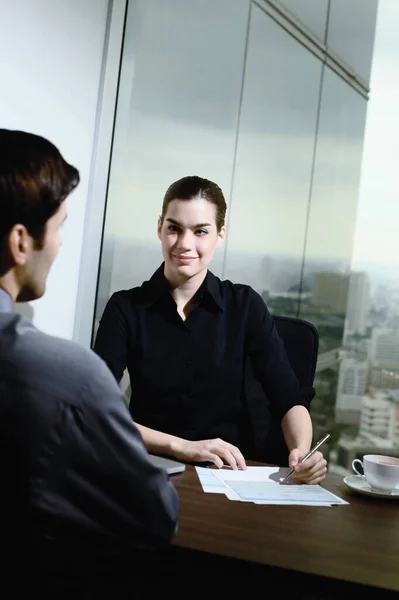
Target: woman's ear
159, 227
221, 235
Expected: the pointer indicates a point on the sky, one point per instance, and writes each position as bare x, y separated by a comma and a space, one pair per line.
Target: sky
377, 225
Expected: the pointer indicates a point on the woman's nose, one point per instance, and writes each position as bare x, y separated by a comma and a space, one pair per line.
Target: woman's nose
185, 240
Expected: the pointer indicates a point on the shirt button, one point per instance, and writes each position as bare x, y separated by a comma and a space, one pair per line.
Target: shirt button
188, 363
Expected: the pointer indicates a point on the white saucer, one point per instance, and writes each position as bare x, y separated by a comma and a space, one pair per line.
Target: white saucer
358, 484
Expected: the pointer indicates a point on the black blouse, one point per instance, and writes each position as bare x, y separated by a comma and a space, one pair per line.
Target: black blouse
187, 376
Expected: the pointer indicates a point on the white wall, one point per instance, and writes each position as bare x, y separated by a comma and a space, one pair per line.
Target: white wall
51, 55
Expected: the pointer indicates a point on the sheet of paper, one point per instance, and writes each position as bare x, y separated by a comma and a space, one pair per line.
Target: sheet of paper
273, 474
270, 492
232, 495
261, 486
210, 483
283, 494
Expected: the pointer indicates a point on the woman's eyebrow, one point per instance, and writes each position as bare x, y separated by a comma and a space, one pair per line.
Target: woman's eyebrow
180, 225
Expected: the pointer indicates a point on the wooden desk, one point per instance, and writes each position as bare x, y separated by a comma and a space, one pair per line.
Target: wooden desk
340, 548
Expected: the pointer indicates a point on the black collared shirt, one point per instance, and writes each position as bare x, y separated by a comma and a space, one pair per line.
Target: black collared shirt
187, 376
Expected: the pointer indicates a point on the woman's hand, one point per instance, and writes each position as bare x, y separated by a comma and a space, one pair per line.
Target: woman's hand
312, 471
216, 451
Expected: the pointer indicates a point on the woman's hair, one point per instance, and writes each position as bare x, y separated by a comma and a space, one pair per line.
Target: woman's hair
34, 180
191, 187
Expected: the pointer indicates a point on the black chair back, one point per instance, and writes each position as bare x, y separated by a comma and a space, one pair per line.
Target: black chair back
301, 341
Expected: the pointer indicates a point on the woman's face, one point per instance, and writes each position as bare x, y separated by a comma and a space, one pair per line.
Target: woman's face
189, 237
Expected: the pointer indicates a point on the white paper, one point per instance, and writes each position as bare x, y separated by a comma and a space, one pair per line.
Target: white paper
212, 479
209, 482
272, 474
261, 485
269, 492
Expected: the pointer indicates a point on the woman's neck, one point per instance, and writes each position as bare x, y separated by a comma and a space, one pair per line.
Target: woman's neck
183, 291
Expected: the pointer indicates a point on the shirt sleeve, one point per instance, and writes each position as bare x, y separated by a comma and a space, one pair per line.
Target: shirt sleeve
113, 334
101, 478
270, 361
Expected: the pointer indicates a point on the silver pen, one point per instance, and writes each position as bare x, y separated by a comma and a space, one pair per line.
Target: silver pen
312, 451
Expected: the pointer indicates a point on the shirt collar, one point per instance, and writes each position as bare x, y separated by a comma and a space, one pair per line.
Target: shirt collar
158, 287
211, 289
6, 302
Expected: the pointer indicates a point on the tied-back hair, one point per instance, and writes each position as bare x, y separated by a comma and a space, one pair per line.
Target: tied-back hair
34, 181
191, 187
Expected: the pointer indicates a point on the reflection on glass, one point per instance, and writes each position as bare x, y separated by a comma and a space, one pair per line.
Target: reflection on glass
329, 290
312, 13
351, 27
177, 115
336, 174
268, 214
371, 341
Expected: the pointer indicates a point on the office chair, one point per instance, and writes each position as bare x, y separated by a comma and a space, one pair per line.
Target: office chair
301, 341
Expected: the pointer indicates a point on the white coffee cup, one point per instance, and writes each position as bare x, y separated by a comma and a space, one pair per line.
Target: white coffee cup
381, 472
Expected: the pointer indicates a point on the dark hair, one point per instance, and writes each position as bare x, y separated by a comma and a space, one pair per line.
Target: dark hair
34, 181
191, 187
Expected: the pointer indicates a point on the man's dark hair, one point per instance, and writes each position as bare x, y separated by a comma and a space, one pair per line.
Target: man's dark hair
34, 180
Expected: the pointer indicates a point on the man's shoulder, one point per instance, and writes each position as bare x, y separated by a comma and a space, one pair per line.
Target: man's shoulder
55, 365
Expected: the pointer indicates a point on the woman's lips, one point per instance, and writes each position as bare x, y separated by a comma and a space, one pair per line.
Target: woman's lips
185, 259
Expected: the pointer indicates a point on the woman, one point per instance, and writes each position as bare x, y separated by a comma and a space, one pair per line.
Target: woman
184, 336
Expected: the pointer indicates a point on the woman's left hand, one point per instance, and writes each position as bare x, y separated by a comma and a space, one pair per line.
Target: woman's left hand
312, 471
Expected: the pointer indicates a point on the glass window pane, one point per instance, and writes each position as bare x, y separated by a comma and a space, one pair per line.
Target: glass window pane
332, 218
368, 384
312, 13
267, 225
177, 115
351, 27
336, 173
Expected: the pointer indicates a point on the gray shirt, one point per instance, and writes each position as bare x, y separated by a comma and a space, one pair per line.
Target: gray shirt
73, 462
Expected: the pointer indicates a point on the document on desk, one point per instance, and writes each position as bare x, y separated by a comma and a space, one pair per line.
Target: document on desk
261, 485
212, 479
210, 483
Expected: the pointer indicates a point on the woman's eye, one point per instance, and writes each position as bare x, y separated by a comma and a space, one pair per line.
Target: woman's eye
172, 228
201, 231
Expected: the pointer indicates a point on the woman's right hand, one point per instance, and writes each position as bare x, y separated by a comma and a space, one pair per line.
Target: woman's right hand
216, 451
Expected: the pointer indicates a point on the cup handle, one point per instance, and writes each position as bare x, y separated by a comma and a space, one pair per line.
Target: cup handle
354, 463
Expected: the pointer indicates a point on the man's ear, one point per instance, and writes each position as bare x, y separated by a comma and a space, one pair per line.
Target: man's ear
19, 244
221, 235
159, 227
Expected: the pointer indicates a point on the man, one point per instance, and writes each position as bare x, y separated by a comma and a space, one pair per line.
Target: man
79, 494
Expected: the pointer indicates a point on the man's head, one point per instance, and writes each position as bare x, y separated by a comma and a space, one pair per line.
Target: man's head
34, 182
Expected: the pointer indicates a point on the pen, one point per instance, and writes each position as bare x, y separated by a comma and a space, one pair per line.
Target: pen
312, 451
